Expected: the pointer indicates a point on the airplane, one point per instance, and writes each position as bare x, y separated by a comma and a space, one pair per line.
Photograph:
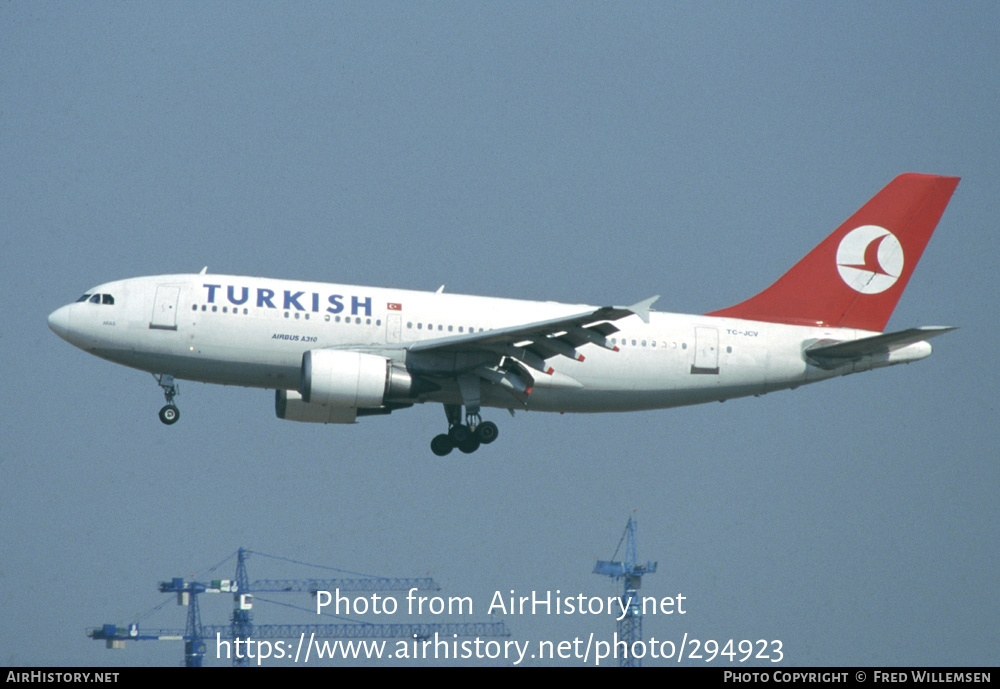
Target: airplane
334, 353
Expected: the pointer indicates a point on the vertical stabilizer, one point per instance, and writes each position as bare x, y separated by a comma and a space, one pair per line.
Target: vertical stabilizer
854, 278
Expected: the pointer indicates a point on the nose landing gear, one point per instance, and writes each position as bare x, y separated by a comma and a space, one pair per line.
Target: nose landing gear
169, 414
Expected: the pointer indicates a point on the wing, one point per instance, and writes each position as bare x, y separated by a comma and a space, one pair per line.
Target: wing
544, 339
506, 356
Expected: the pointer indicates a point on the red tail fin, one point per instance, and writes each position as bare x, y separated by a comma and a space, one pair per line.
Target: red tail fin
854, 278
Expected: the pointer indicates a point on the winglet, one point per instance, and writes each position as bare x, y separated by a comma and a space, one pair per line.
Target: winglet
642, 308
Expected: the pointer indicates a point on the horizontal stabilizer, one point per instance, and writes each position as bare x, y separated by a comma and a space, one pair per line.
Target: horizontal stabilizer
877, 344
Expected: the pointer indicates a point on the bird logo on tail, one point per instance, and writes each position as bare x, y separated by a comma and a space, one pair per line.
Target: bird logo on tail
870, 259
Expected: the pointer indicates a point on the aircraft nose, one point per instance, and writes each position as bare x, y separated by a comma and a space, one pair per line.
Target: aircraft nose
59, 321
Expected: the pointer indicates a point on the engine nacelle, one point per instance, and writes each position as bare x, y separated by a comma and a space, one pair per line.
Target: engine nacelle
338, 386
288, 405
340, 378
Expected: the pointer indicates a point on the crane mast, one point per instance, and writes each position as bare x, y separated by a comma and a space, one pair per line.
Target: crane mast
630, 572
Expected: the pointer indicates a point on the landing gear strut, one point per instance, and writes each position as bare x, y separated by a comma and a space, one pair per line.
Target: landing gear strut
169, 414
466, 437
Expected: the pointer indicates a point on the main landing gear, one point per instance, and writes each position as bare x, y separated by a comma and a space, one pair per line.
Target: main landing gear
169, 414
466, 437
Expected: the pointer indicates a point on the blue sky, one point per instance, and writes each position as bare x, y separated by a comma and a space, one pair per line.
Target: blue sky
584, 152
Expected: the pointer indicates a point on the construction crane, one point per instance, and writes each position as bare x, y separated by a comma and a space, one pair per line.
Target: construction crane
629, 570
241, 625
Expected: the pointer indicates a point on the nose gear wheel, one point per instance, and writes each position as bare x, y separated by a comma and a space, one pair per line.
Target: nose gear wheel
169, 414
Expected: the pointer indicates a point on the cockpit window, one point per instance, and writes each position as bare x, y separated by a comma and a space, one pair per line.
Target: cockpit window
98, 299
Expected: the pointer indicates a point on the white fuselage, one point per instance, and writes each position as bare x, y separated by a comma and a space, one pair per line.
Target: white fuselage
253, 332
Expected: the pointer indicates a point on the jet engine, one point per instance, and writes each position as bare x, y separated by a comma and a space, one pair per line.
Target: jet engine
339, 385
